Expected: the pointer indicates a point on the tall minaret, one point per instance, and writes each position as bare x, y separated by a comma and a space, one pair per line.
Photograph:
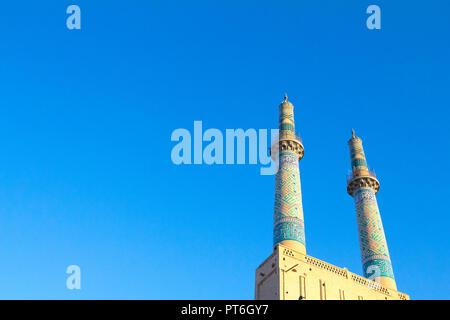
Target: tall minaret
288, 226
363, 185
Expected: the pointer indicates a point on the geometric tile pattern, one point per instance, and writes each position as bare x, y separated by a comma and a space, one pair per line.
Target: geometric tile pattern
372, 240
288, 210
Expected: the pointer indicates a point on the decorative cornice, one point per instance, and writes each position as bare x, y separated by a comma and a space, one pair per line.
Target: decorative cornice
293, 145
288, 144
362, 182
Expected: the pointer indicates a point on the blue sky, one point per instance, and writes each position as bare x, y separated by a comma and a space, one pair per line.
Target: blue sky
86, 117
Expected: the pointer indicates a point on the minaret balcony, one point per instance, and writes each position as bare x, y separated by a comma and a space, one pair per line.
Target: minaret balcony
351, 175
293, 137
292, 143
358, 181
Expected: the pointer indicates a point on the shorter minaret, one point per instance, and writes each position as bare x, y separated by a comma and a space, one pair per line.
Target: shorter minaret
362, 186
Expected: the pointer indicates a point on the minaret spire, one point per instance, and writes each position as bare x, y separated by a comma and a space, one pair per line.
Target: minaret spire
288, 210
362, 186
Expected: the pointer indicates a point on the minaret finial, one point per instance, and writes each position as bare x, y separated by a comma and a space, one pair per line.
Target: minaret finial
353, 133
285, 97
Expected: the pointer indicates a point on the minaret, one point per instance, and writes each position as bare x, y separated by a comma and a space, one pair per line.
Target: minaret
289, 273
288, 226
362, 186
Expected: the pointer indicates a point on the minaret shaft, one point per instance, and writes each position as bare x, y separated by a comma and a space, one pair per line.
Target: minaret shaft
288, 226
363, 185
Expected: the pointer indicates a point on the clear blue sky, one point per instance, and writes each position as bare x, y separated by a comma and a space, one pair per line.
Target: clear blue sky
86, 118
